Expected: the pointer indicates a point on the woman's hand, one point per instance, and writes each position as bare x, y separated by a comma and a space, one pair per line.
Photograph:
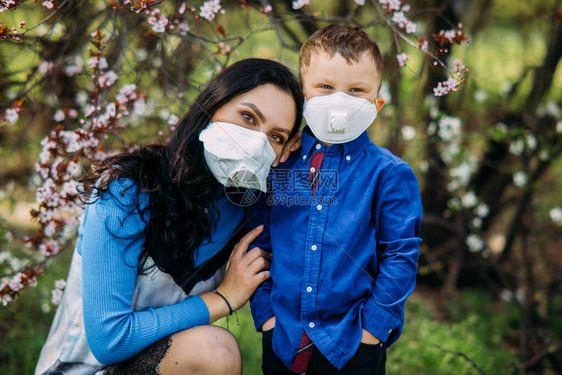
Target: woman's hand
292, 145
269, 324
246, 270
368, 338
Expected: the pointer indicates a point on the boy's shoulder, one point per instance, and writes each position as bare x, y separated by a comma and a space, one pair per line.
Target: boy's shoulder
380, 157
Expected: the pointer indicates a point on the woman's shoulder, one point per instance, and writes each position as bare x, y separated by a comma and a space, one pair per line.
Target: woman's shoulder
121, 195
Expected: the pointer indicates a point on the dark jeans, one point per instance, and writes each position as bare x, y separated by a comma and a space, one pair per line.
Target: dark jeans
368, 360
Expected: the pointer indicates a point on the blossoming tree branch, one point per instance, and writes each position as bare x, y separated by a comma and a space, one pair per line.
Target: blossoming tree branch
93, 74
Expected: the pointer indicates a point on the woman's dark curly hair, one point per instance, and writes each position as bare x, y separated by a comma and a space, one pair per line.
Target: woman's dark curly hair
176, 177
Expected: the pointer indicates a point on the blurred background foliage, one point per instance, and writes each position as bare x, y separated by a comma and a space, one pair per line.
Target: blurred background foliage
487, 157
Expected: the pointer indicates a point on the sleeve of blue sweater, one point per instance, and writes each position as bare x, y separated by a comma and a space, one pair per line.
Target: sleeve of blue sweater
112, 239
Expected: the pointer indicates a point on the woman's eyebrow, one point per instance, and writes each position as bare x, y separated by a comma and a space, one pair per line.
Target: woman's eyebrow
282, 130
255, 109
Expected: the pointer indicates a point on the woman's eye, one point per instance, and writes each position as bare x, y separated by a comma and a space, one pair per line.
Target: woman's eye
277, 138
249, 117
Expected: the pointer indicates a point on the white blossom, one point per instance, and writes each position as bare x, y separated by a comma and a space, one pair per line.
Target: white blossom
449, 128
520, 295
517, 146
408, 132
299, 4
556, 215
102, 64
482, 210
506, 295
519, 179
469, 199
480, 95
474, 243
476, 222
462, 173
49, 229
360, 2
502, 128
139, 107
72, 70
12, 115
59, 115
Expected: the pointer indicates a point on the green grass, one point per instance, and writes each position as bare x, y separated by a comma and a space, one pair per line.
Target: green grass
426, 344
478, 330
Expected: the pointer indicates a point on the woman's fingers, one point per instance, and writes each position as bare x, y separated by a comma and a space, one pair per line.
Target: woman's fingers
258, 264
292, 145
245, 242
254, 254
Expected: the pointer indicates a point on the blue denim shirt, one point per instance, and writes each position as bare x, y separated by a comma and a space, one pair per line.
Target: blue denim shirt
343, 259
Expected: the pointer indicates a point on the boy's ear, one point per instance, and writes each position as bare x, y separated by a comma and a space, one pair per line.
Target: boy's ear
379, 103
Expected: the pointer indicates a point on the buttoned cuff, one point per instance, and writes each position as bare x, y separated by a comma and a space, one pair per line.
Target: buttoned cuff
261, 308
378, 321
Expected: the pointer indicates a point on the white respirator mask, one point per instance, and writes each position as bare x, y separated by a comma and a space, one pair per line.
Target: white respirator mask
237, 156
339, 118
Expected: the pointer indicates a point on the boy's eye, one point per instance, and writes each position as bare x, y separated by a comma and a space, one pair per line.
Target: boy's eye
277, 138
356, 89
326, 87
249, 117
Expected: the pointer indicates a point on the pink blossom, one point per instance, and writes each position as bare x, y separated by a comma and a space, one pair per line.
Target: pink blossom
402, 58
46, 66
209, 9
160, 26
69, 189
268, 8
48, 4
72, 169
411, 27
108, 79
443, 88
173, 120
391, 5
49, 248
400, 19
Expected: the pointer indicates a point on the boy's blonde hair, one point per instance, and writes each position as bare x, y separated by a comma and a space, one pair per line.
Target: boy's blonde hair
349, 41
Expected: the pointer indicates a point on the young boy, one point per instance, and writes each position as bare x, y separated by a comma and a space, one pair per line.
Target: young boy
344, 224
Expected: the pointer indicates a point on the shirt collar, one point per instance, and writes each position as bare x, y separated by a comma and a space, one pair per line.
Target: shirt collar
350, 149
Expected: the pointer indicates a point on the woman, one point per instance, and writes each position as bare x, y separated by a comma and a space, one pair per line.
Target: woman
159, 229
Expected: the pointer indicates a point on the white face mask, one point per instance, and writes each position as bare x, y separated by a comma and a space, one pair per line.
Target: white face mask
339, 118
237, 156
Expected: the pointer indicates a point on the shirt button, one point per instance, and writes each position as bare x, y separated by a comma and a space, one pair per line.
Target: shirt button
319, 207
309, 289
304, 157
311, 324
312, 169
348, 158
313, 247
318, 147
